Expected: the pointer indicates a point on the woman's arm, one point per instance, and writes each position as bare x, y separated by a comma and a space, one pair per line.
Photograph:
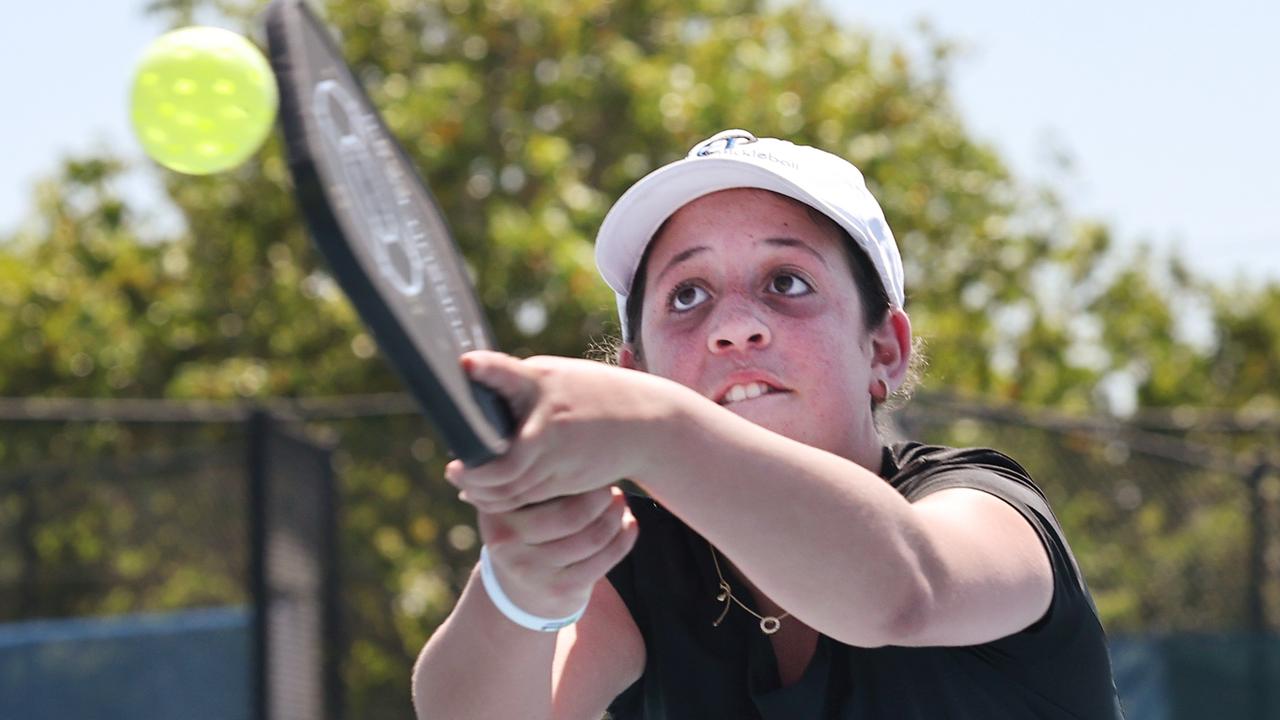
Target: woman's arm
478, 664
826, 539
841, 549
548, 559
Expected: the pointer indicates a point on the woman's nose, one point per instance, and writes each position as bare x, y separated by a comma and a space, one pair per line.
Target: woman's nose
736, 326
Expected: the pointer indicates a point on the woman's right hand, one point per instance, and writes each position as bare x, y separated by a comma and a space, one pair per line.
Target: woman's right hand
548, 557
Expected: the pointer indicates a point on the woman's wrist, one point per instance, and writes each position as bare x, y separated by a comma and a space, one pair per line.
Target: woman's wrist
675, 439
667, 415
514, 612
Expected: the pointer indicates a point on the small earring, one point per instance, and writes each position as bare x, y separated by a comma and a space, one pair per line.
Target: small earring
883, 395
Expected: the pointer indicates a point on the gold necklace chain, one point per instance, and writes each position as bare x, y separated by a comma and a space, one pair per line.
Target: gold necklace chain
769, 624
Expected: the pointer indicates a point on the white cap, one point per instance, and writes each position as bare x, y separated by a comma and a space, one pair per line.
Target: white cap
738, 159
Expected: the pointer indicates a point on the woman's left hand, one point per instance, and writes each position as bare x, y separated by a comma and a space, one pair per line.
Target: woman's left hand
581, 426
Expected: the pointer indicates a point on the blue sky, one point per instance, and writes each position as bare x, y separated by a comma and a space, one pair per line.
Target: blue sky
1169, 110
1171, 117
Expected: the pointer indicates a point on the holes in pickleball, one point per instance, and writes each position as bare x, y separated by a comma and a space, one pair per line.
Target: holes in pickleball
184, 86
224, 87
209, 149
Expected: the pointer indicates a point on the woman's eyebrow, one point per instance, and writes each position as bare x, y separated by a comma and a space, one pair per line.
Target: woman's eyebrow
684, 255
794, 243
680, 257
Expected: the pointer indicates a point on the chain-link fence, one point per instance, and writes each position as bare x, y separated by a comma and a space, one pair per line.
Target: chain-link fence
161, 560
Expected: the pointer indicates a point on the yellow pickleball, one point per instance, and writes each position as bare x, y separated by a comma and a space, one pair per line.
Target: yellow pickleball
203, 100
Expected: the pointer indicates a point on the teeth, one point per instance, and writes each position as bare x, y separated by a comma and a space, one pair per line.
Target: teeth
738, 393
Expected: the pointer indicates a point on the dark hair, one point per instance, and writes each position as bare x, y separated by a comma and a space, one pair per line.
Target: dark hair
871, 292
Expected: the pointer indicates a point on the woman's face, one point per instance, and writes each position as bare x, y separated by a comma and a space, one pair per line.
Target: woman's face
752, 303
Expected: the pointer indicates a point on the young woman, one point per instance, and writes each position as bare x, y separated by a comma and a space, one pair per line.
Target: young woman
786, 562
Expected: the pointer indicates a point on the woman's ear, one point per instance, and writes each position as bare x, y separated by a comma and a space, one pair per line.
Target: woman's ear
629, 357
891, 349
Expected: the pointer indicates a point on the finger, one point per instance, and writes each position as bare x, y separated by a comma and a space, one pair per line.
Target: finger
499, 500
598, 565
588, 541
532, 490
548, 560
505, 506
506, 375
453, 471
559, 518
504, 470
532, 566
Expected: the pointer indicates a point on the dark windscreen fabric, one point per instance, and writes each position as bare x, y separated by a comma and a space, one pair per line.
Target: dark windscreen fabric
189, 664
1058, 668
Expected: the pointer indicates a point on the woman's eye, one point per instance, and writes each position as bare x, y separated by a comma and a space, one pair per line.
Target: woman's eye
687, 297
789, 284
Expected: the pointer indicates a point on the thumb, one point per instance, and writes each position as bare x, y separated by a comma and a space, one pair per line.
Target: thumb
505, 374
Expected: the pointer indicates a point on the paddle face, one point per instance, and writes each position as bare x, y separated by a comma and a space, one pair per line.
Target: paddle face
382, 233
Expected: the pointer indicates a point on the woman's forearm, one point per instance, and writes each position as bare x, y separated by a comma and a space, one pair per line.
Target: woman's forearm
478, 664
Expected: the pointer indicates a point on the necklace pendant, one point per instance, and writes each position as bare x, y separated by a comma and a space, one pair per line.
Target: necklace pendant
770, 625
724, 598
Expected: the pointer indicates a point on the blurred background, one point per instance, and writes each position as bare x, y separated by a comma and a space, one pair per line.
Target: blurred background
215, 502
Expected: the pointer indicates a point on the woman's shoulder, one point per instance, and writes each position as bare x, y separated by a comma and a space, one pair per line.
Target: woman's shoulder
913, 457
917, 469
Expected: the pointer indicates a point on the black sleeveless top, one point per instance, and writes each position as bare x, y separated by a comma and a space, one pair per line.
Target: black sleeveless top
1058, 668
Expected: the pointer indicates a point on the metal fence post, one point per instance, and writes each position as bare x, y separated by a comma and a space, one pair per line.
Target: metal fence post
1259, 627
296, 618
335, 630
27, 523
257, 428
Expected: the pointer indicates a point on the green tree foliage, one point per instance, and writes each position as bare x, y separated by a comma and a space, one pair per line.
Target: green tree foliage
527, 118
1245, 361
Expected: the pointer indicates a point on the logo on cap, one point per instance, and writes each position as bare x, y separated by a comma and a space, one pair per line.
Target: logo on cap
723, 142
732, 142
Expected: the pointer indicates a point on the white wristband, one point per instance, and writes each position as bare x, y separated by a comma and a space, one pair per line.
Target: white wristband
508, 608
